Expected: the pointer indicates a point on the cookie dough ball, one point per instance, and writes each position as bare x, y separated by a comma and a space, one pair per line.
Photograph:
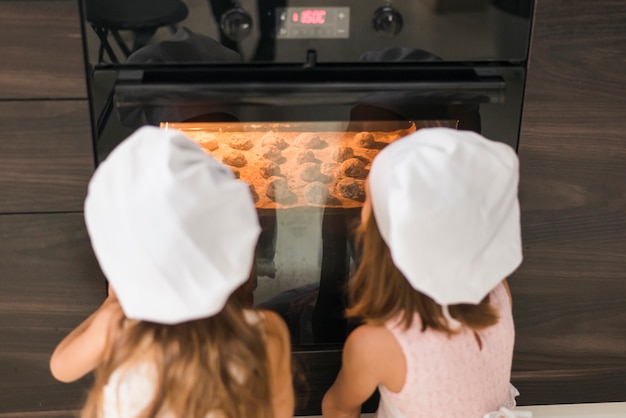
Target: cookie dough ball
316, 193
305, 156
277, 188
269, 169
255, 195
364, 140
309, 141
272, 154
351, 189
310, 172
328, 172
235, 158
272, 139
236, 171
240, 142
329, 169
353, 168
207, 141
341, 154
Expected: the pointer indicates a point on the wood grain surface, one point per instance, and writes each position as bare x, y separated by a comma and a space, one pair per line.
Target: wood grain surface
49, 282
46, 155
49, 279
41, 50
570, 293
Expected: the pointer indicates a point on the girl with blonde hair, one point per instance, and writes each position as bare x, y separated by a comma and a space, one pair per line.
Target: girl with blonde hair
175, 234
439, 233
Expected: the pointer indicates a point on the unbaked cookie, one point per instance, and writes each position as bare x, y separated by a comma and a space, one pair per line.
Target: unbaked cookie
353, 168
309, 140
272, 154
207, 141
305, 156
236, 171
341, 154
255, 195
274, 140
364, 140
310, 172
277, 188
235, 158
329, 169
240, 142
351, 189
269, 169
316, 193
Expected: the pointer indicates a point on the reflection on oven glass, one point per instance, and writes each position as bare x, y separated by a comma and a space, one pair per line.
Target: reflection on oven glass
307, 180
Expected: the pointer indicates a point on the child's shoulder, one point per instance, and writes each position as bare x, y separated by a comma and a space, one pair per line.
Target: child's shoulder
371, 342
269, 317
369, 334
273, 323
372, 352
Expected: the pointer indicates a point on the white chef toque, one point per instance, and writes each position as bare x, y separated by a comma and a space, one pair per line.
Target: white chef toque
446, 204
173, 230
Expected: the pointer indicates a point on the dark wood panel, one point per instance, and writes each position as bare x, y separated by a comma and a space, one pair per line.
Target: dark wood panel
569, 319
569, 292
570, 386
45, 414
46, 155
42, 50
49, 282
577, 56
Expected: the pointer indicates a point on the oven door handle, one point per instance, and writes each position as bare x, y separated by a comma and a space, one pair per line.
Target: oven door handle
285, 88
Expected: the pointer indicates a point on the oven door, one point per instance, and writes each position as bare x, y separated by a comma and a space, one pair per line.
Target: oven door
306, 251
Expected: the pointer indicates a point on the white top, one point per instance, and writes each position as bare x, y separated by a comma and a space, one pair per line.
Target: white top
130, 390
452, 377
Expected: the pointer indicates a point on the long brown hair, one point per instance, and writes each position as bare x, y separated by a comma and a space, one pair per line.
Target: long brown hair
378, 291
213, 365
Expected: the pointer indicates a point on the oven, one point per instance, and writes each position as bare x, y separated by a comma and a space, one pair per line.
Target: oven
298, 97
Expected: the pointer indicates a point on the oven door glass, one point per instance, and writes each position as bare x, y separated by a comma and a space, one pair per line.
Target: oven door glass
304, 139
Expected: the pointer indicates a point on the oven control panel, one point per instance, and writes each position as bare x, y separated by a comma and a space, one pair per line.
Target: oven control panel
313, 23
345, 31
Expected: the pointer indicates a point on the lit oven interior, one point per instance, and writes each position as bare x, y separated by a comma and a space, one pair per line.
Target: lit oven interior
307, 180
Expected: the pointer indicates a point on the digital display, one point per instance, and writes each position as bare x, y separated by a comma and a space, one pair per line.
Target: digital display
309, 17
312, 22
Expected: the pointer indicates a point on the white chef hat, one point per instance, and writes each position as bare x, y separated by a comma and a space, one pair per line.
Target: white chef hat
173, 230
446, 204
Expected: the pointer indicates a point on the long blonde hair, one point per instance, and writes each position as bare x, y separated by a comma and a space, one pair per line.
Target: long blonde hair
378, 291
213, 365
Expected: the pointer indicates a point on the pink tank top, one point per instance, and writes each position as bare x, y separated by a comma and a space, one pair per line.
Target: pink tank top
452, 377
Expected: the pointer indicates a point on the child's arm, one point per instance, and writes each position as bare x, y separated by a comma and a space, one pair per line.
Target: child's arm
371, 356
279, 356
82, 350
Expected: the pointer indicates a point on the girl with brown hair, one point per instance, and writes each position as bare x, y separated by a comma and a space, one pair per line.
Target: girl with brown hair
175, 234
439, 233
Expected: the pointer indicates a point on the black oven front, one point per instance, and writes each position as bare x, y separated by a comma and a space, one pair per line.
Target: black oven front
297, 97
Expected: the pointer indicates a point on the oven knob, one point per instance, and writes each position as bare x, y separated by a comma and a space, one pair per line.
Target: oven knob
236, 24
387, 21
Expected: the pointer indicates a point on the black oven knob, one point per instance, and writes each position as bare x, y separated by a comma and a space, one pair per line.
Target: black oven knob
236, 24
387, 21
